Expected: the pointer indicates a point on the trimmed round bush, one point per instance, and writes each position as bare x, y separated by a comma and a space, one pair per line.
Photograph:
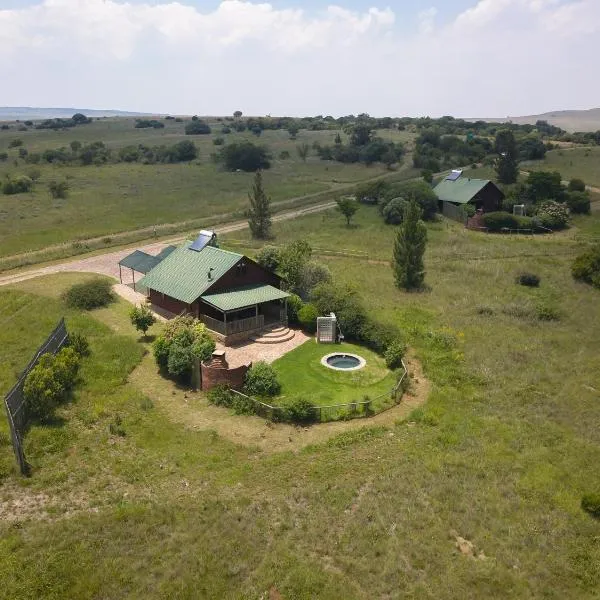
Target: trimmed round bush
591, 504
576, 185
307, 317
394, 354
261, 380
528, 279
89, 295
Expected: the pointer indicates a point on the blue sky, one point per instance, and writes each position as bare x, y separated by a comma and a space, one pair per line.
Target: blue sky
477, 58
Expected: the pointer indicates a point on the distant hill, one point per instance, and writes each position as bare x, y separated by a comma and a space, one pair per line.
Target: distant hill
24, 113
570, 120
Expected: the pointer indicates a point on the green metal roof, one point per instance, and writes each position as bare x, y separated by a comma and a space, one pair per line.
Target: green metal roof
142, 262
461, 191
244, 296
183, 275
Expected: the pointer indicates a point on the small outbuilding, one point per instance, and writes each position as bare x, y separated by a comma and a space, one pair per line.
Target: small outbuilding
458, 190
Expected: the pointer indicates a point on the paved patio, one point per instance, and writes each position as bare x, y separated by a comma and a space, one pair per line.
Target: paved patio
242, 354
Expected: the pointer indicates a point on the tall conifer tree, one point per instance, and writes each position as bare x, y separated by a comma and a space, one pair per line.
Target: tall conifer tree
409, 248
259, 214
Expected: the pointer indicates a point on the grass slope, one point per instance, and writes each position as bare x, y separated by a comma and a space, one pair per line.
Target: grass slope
501, 453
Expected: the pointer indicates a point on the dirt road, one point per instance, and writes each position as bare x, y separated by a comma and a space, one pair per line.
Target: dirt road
107, 264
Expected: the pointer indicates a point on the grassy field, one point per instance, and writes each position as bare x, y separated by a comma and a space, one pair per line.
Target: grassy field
301, 373
571, 162
500, 455
113, 198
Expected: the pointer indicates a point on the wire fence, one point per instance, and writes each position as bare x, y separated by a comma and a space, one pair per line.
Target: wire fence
14, 401
336, 412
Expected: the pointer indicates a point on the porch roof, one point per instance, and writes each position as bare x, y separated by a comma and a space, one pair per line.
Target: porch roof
242, 297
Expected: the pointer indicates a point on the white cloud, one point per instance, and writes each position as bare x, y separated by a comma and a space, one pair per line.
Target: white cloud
426, 20
498, 57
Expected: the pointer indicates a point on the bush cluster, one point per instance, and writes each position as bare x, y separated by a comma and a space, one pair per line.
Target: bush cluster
197, 127
579, 203
17, 185
244, 156
528, 279
148, 124
586, 266
184, 339
261, 380
49, 381
89, 295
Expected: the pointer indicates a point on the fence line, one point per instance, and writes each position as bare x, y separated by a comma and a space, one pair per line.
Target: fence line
269, 411
14, 401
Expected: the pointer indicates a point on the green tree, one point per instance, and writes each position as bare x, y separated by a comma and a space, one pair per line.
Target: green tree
259, 214
507, 167
348, 207
409, 248
75, 145
197, 128
293, 130
142, 318
237, 114
545, 185
244, 156
338, 139
303, 150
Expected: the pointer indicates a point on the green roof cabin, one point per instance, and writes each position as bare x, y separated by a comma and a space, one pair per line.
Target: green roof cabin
459, 190
232, 294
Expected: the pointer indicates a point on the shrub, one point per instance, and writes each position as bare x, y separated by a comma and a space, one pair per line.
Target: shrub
496, 221
3, 156
576, 185
48, 382
89, 295
115, 427
300, 410
244, 156
553, 215
220, 395
261, 380
294, 304
284, 155
393, 211
58, 189
546, 312
586, 266
79, 343
43, 389
180, 359
307, 317
242, 405
15, 143
394, 353
18, 185
198, 127
184, 339
377, 336
579, 203
528, 279
591, 504
219, 141
160, 349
